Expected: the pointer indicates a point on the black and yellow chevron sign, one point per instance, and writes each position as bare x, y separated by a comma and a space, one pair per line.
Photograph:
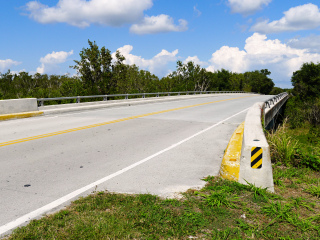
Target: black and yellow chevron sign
256, 157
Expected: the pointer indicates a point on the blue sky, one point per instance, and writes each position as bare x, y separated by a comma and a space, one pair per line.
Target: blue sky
45, 36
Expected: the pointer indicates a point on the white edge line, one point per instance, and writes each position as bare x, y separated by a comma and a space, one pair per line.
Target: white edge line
29, 216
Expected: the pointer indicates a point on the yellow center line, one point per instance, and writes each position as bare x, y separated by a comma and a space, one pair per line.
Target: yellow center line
106, 123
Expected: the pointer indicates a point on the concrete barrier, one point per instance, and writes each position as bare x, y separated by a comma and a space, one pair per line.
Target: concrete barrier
18, 108
18, 105
255, 162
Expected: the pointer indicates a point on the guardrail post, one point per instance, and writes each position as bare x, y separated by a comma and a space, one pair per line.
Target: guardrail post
144, 95
105, 98
78, 99
157, 94
127, 97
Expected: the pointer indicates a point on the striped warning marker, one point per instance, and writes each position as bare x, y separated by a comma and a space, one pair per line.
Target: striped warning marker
256, 157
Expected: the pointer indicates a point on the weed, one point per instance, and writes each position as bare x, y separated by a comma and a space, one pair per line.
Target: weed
314, 190
278, 211
260, 194
283, 146
300, 202
218, 199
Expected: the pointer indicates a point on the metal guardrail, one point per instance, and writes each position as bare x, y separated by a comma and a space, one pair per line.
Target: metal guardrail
126, 96
275, 99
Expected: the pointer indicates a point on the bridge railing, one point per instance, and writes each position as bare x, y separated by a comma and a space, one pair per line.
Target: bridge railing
273, 107
275, 99
127, 96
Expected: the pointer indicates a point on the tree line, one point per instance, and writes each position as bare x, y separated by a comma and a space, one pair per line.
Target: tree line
99, 73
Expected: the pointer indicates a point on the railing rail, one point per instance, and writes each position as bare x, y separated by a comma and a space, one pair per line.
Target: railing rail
274, 107
275, 99
126, 96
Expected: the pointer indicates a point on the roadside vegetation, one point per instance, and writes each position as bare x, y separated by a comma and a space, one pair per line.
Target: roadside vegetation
99, 72
222, 209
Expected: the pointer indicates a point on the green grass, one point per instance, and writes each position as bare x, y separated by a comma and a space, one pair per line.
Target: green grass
299, 147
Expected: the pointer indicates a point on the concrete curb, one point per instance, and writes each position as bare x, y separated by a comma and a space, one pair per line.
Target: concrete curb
230, 166
20, 115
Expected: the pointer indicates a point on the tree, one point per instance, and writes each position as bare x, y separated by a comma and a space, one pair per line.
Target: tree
7, 89
306, 81
259, 81
95, 68
119, 75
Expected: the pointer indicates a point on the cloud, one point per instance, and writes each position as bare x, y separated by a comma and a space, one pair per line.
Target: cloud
312, 43
157, 65
197, 11
230, 58
259, 53
247, 7
50, 63
82, 13
158, 24
7, 64
297, 18
195, 60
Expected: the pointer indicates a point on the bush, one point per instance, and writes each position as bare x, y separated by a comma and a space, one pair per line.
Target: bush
308, 159
300, 112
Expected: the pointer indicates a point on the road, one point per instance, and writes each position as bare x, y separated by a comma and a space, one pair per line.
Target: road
159, 148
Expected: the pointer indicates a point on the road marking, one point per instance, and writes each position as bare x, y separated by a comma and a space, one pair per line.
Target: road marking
106, 123
11, 225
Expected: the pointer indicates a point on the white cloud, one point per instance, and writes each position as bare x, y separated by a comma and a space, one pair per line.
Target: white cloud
197, 11
158, 24
196, 60
297, 18
8, 63
156, 65
50, 63
230, 58
247, 7
259, 53
312, 43
82, 13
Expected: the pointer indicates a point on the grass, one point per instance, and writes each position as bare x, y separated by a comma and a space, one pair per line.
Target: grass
298, 147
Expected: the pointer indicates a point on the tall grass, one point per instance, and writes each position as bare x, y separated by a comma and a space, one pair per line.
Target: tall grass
283, 146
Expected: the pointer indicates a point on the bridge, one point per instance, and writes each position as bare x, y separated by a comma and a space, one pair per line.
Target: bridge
158, 145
